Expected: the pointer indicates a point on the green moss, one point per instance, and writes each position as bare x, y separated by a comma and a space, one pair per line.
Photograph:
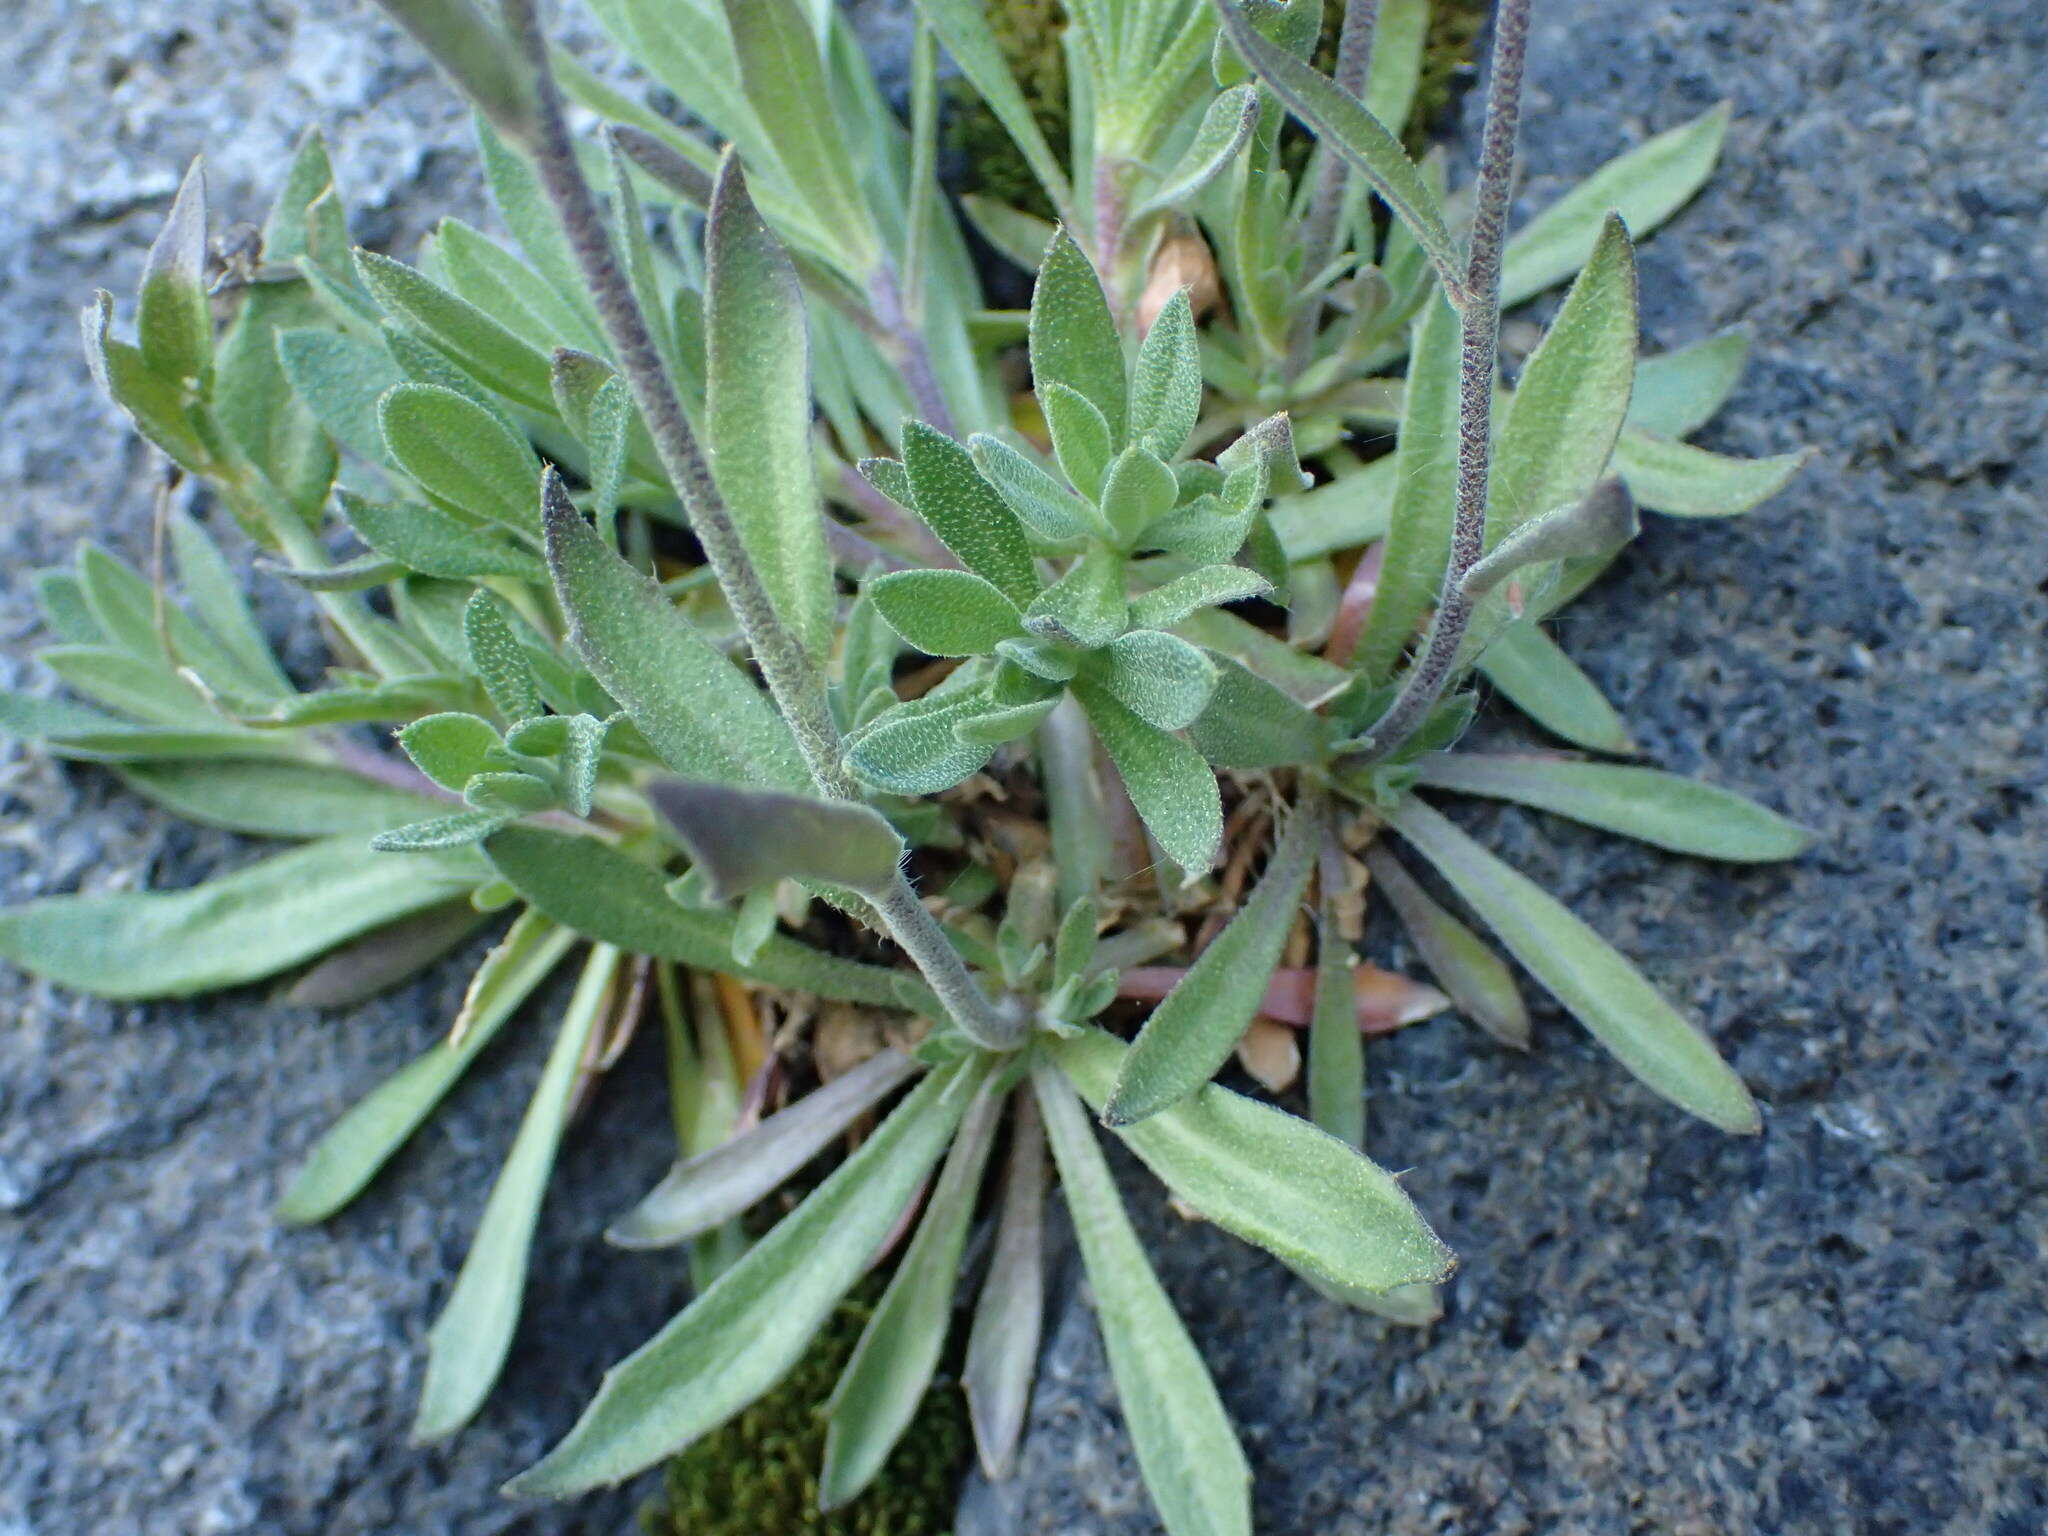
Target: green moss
1029, 31
1449, 52
758, 1476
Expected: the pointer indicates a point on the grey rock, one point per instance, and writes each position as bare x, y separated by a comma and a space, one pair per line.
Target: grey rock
1837, 1326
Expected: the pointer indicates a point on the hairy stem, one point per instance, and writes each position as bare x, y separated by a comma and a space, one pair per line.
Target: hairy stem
1479, 346
797, 686
1333, 176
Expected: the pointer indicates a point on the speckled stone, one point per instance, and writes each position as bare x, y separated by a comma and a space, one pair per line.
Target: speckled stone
1837, 1327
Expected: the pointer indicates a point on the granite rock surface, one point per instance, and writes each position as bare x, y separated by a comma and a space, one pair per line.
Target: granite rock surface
1837, 1326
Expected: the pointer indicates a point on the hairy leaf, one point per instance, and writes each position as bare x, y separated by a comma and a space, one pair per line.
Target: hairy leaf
1600, 988
1194, 1031
1677, 393
945, 613
1477, 980
1251, 723
1002, 1344
1168, 782
1683, 481
276, 799
1166, 392
1542, 682
743, 839
1226, 127
1160, 678
1207, 586
461, 454
966, 512
742, 1334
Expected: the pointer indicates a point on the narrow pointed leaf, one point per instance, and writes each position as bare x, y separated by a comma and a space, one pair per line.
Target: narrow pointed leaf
1425, 498
1652, 807
967, 514
963, 26
1606, 993
730, 1179
467, 1346
1336, 1045
758, 411
898, 1353
472, 338
691, 703
349, 1155
215, 594
174, 321
279, 799
1074, 340
385, 957
1343, 125
601, 893
1225, 129
1194, 1031
744, 1333
1477, 979
1251, 723
1680, 480
1047, 507
1572, 395
1645, 187
1189, 1456
1526, 665
262, 919
1677, 393
1081, 438
1594, 527
1208, 586
1166, 391
1002, 1344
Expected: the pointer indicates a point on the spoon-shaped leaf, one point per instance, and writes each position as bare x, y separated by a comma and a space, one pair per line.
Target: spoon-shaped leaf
1680, 480
739, 1337
1601, 988
1542, 682
1270, 1177
747, 838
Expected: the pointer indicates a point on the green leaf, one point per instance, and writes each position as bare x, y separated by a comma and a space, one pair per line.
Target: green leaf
1195, 1029
740, 1336
498, 659
1643, 187
1080, 437
1074, 339
425, 539
1683, 481
1677, 393
728, 1180
1086, 606
487, 275
134, 685
1226, 127
1207, 586
1597, 985
479, 344
692, 704
1307, 678
898, 1353
1477, 980
1569, 403
1172, 788
1594, 528
743, 839
997, 727
1425, 496
467, 1346
1009, 1316
1018, 236
277, 799
214, 592
1251, 724
962, 25
340, 378
174, 321
239, 927
449, 748
1343, 124
386, 957
1187, 1451
591, 887
1160, 678
945, 613
784, 80
1542, 682
1046, 507
1269, 1177
476, 56
523, 204
913, 749
132, 616
459, 830
66, 614
1166, 393
157, 405
356, 1146
1652, 807
461, 454
758, 405
1137, 491
966, 512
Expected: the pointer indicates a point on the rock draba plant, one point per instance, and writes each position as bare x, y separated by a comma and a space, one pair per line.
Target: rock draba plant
736, 619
